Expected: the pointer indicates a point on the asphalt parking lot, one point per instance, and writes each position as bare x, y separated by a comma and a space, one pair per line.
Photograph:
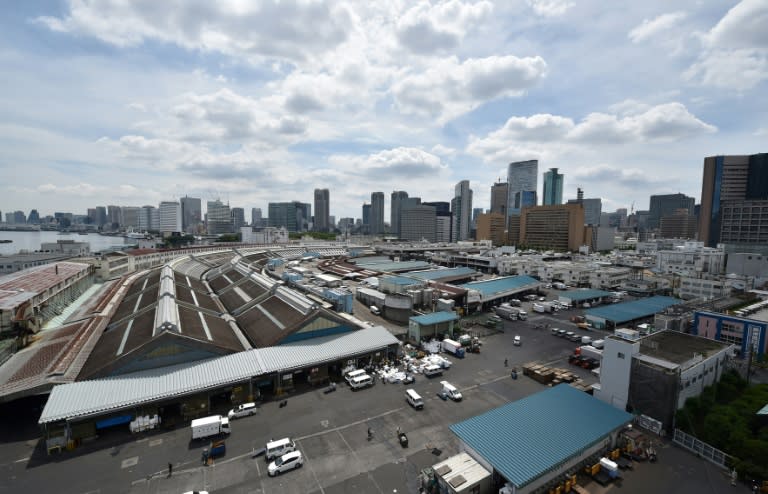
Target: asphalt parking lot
331, 431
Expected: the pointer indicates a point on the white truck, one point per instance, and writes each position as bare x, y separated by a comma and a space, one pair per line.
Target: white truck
539, 308
453, 347
558, 286
210, 426
507, 312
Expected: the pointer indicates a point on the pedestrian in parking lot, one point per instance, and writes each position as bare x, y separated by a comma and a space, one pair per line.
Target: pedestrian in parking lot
170, 469
506, 363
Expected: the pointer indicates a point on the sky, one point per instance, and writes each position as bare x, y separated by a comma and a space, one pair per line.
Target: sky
137, 102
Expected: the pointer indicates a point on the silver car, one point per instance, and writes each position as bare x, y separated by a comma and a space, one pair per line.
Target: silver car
243, 410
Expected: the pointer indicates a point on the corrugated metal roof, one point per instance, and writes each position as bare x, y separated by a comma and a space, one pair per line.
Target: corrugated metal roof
499, 285
388, 266
87, 398
526, 438
637, 309
400, 280
579, 295
438, 274
435, 318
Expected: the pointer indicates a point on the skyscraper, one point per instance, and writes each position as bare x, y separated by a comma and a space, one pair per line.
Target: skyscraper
553, 188
130, 215
191, 214
114, 217
366, 218
169, 216
461, 207
34, 217
377, 213
322, 210
734, 198
256, 219
218, 218
418, 222
499, 192
667, 205
294, 215
396, 206
238, 218
522, 180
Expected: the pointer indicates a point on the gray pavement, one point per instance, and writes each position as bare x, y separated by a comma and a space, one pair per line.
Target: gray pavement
330, 430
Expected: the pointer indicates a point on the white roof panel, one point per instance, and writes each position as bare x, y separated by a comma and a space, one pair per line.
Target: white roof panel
87, 398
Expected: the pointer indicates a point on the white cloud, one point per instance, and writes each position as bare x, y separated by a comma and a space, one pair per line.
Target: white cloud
391, 164
730, 69
450, 88
735, 54
653, 27
427, 28
544, 135
550, 8
250, 29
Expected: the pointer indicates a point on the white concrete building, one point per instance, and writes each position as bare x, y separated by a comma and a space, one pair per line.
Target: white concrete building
169, 217
691, 259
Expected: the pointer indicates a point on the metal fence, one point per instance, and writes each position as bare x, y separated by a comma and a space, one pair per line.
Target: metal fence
702, 449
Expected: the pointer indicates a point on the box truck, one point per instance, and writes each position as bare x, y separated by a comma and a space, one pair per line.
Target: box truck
210, 426
453, 347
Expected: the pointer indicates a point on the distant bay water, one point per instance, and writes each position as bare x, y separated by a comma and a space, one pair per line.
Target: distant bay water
31, 241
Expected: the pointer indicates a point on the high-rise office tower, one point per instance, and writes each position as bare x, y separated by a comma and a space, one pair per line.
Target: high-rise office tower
667, 205
418, 222
256, 218
366, 217
148, 218
553, 188
522, 180
593, 208
238, 218
461, 208
34, 217
114, 217
294, 215
130, 215
396, 206
442, 220
377, 213
499, 192
101, 216
218, 218
169, 217
322, 210
191, 214
734, 201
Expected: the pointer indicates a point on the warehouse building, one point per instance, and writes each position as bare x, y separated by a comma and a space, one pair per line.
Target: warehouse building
487, 293
535, 443
628, 313
430, 325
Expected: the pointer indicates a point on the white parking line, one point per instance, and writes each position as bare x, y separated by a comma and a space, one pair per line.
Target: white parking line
317, 481
358, 459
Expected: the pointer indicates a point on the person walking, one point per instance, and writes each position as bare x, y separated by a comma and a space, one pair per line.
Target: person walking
506, 363
170, 469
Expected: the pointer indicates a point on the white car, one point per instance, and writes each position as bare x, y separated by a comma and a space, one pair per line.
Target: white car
517, 341
288, 461
243, 410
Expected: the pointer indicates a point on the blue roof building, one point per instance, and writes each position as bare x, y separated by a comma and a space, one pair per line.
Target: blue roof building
430, 325
499, 289
533, 441
611, 316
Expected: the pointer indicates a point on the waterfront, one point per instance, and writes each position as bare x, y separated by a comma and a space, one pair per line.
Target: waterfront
30, 241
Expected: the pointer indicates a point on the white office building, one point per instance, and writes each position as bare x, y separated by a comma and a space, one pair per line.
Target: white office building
169, 215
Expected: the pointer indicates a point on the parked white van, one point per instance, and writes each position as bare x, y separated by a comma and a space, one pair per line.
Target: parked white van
450, 391
279, 448
353, 374
413, 399
433, 370
375, 310
360, 382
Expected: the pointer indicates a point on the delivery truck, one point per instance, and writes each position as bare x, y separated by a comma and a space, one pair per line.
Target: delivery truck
210, 426
453, 347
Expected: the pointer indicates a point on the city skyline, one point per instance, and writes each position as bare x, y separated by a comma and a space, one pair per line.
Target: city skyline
111, 104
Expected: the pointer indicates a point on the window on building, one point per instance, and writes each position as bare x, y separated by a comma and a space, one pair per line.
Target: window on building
620, 355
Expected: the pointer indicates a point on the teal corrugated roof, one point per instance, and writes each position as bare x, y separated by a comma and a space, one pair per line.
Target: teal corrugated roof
763, 411
498, 285
579, 295
401, 280
526, 438
629, 311
436, 274
435, 318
